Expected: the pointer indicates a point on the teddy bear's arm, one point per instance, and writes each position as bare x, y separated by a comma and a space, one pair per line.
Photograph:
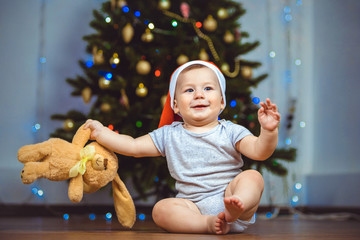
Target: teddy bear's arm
76, 189
81, 136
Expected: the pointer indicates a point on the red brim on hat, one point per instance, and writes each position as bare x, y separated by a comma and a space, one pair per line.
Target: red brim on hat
168, 116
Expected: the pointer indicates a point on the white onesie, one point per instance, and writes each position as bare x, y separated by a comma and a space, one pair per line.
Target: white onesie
203, 164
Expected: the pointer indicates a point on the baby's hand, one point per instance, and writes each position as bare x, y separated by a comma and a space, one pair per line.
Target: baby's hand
95, 126
268, 115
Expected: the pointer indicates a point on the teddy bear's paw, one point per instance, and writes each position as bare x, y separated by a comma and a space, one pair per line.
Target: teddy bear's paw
28, 175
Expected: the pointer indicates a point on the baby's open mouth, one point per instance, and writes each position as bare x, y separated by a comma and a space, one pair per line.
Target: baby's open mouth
200, 106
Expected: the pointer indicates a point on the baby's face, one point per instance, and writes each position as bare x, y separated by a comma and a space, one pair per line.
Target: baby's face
198, 96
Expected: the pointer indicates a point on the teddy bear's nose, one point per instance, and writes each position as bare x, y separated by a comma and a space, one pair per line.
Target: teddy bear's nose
105, 163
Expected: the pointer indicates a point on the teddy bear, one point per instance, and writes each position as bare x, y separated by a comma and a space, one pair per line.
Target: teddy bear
89, 168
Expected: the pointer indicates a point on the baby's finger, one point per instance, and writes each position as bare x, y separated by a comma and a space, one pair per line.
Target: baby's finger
262, 104
86, 126
275, 107
268, 101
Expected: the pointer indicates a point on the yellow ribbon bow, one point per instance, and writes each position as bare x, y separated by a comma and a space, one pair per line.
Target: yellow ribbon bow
87, 153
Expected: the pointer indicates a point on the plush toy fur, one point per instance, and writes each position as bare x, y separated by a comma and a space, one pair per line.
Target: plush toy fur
54, 158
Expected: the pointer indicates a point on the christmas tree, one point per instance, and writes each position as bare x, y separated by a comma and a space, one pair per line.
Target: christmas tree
136, 47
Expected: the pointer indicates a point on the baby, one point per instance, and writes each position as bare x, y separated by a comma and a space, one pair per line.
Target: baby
203, 154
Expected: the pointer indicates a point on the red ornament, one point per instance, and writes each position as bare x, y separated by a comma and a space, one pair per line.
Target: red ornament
185, 9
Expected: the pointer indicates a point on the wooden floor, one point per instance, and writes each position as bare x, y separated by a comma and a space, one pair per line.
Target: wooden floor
81, 227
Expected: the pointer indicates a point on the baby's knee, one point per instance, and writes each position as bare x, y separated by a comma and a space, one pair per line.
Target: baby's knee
159, 211
254, 175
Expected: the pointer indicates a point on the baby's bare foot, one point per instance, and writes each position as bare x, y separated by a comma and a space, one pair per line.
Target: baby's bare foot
218, 224
233, 208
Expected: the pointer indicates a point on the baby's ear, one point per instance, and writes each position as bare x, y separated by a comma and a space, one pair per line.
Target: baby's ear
222, 107
175, 107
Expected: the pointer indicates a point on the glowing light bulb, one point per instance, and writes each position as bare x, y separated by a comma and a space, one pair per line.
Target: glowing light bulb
287, 9
142, 216
302, 124
66, 216
174, 23
40, 193
151, 26
108, 216
288, 17
139, 124
137, 13
34, 190
298, 62
272, 54
92, 216
108, 19
298, 186
256, 100
126, 9
288, 141
108, 76
233, 103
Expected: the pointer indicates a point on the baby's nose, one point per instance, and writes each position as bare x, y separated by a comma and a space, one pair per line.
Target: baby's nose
199, 94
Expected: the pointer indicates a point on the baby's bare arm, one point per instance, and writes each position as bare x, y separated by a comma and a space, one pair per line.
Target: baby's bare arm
261, 148
120, 143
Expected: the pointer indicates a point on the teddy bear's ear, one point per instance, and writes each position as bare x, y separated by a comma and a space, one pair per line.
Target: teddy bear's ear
123, 203
81, 136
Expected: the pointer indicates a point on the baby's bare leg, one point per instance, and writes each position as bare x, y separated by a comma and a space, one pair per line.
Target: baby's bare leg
242, 196
182, 216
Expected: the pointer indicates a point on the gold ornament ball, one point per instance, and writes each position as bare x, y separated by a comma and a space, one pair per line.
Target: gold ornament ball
246, 72
115, 59
210, 24
182, 59
229, 37
127, 33
68, 124
121, 3
105, 107
164, 4
141, 90
225, 67
147, 36
203, 55
104, 83
98, 56
163, 100
222, 13
143, 67
86, 94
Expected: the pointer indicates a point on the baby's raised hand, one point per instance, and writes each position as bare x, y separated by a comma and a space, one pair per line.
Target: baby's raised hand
95, 126
268, 115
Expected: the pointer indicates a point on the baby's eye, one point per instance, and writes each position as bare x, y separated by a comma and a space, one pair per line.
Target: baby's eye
208, 88
189, 90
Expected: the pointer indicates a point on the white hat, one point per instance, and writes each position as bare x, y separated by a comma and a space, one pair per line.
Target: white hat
176, 73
